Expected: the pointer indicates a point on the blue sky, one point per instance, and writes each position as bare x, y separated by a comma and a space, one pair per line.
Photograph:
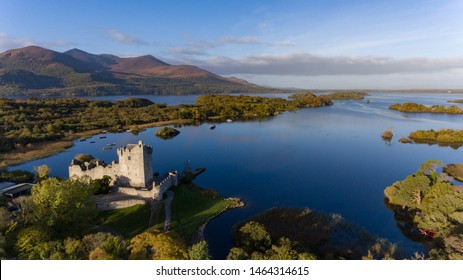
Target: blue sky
292, 43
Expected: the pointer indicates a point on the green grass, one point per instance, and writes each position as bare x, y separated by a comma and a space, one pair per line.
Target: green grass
128, 221
190, 209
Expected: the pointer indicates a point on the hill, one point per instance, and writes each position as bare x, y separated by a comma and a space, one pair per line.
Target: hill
36, 71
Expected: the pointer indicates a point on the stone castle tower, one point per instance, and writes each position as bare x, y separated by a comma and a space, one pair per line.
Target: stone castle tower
135, 165
132, 176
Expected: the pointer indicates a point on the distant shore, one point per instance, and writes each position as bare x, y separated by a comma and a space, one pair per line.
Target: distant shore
48, 148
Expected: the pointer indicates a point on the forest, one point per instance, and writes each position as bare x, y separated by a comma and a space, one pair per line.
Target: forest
24, 122
420, 108
302, 234
441, 136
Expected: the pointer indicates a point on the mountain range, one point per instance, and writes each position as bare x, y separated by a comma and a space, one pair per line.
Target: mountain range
36, 71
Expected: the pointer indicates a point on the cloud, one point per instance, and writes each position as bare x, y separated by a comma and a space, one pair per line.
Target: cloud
234, 40
125, 38
7, 42
304, 64
201, 47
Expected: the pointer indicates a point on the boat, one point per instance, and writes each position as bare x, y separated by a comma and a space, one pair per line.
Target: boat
82, 140
91, 142
229, 120
427, 233
212, 126
102, 137
110, 145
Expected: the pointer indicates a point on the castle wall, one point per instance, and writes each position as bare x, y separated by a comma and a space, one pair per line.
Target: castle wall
159, 188
95, 172
109, 204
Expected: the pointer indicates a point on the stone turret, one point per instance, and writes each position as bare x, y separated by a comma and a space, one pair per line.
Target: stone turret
136, 165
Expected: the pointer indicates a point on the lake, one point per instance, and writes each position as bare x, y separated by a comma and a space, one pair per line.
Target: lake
329, 159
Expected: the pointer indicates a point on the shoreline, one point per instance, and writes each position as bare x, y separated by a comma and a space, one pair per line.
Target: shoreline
46, 149
200, 232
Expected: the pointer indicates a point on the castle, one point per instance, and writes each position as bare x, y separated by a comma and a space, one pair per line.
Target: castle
132, 175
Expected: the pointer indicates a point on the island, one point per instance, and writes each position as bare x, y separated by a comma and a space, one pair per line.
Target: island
441, 137
429, 209
420, 108
167, 133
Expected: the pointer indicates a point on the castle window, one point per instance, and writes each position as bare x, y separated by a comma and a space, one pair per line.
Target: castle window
129, 158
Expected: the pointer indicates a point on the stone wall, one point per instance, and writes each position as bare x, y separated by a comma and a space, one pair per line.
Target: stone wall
108, 203
136, 192
160, 187
96, 171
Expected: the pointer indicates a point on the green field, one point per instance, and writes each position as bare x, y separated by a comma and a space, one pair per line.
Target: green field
191, 208
128, 221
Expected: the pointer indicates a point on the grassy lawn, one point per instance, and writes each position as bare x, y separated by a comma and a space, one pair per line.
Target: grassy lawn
128, 221
190, 209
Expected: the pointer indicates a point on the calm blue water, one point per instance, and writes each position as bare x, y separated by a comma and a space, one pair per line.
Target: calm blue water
329, 159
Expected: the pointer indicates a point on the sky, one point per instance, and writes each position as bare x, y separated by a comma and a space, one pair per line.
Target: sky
311, 44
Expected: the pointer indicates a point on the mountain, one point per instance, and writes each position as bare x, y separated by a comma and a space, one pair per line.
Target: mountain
34, 71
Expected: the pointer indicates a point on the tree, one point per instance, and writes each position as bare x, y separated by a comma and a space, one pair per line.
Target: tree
5, 219
283, 251
74, 249
254, 237
84, 157
156, 245
430, 168
65, 206
29, 241
42, 171
101, 186
199, 251
237, 253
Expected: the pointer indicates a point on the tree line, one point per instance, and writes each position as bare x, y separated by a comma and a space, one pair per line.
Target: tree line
28, 121
420, 108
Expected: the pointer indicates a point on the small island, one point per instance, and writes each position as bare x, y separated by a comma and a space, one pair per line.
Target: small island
167, 133
420, 108
441, 137
348, 95
456, 101
429, 209
387, 135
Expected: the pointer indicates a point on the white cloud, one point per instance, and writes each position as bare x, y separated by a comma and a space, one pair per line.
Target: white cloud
194, 48
125, 38
241, 40
7, 42
303, 64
